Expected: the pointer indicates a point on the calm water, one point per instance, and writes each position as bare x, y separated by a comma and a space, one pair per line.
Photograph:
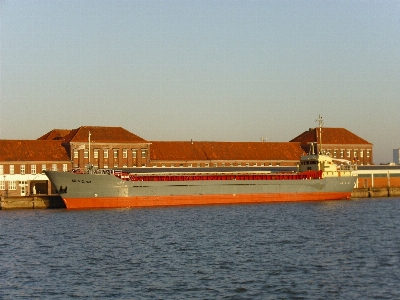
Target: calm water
325, 250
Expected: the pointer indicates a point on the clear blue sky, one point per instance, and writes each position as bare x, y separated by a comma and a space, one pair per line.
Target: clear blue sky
202, 70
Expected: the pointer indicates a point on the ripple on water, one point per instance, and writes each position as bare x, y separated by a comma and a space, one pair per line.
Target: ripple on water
344, 249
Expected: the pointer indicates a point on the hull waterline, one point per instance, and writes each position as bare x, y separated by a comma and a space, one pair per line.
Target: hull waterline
159, 201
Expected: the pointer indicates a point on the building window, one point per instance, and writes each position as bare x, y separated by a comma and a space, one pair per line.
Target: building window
124, 153
86, 153
355, 154
43, 167
334, 153
1, 169
54, 167
22, 169
105, 153
134, 151
33, 169
96, 153
12, 185
115, 153
341, 153
65, 167
361, 153
348, 153
367, 153
2, 185
76, 153
11, 169
144, 153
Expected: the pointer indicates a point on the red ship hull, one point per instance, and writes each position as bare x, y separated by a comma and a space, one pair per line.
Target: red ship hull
180, 200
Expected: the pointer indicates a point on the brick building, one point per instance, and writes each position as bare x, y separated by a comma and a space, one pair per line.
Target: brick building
102, 147
22, 161
224, 154
338, 142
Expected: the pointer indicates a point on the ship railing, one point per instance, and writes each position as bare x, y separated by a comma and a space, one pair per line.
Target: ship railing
200, 177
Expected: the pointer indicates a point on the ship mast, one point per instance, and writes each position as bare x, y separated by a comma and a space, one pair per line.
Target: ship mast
89, 149
320, 124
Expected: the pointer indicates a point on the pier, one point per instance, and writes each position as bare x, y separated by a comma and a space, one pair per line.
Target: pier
32, 202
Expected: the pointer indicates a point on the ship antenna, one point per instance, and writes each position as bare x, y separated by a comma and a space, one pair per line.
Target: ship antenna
320, 124
89, 150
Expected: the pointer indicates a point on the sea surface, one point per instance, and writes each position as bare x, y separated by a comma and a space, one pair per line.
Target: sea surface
309, 250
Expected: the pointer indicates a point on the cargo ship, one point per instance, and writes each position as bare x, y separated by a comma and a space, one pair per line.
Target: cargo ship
317, 177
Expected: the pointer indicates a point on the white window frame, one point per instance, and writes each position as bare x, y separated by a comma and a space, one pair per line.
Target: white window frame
115, 151
96, 153
12, 170
33, 169
65, 167
144, 153
124, 153
76, 153
1, 169
2, 185
134, 153
54, 167
22, 169
105, 153
86, 153
12, 185
44, 167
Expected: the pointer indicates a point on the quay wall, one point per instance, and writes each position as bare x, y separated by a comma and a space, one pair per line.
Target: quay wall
32, 202
375, 192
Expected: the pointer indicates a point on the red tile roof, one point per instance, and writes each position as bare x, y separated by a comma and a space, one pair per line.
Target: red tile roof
32, 150
170, 150
55, 134
330, 136
99, 134
102, 134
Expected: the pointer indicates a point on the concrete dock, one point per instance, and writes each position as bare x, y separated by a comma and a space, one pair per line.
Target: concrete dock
32, 202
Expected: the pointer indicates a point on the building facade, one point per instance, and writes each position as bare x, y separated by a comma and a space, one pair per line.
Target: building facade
338, 143
22, 162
